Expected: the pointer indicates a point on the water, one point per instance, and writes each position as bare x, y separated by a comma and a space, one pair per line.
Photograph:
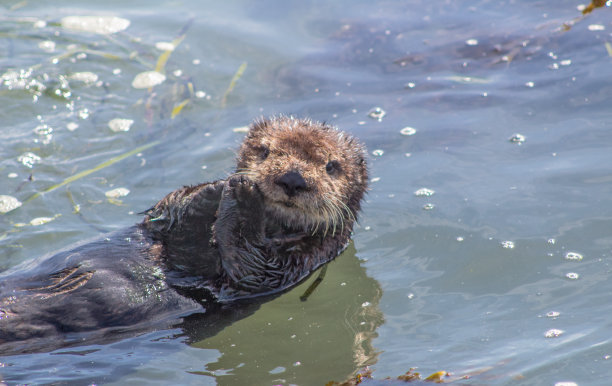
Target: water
510, 117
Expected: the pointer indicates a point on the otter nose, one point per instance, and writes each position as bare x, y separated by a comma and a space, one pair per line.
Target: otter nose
292, 183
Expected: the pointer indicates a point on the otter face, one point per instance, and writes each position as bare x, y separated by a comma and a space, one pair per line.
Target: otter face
311, 175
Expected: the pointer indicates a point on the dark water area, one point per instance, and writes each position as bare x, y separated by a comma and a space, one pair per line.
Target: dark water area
496, 271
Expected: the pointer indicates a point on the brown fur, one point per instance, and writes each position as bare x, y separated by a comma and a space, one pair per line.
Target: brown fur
331, 199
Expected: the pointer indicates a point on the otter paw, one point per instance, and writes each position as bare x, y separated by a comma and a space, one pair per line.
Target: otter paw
238, 180
246, 193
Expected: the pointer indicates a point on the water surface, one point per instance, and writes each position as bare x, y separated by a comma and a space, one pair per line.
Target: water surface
509, 102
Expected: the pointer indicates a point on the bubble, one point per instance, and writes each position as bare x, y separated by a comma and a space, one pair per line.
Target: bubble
241, 129
428, 206
517, 138
530, 84
104, 25
551, 241
120, 124
507, 244
424, 192
277, 370
43, 130
377, 113
408, 131
553, 314
83, 113
8, 203
47, 46
117, 192
553, 333
72, 126
28, 159
572, 276
596, 27
85, 77
378, 152
460, 238
471, 42
41, 220
165, 46
575, 256
148, 79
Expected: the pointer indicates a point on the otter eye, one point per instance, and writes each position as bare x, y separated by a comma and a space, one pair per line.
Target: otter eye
332, 167
265, 152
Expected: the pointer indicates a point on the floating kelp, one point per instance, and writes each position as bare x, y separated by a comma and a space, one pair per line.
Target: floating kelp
101, 166
365, 378
594, 4
232, 84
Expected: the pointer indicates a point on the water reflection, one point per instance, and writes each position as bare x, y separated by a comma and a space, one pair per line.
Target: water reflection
327, 337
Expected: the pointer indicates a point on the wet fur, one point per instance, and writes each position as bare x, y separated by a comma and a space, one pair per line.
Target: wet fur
212, 243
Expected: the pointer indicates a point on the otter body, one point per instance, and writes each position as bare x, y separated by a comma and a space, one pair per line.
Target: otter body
289, 208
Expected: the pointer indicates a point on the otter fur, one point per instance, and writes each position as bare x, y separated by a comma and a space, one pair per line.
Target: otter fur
289, 208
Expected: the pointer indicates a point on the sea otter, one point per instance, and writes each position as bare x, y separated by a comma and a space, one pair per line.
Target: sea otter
289, 208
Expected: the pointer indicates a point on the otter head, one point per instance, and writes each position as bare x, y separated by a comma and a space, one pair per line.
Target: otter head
311, 175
